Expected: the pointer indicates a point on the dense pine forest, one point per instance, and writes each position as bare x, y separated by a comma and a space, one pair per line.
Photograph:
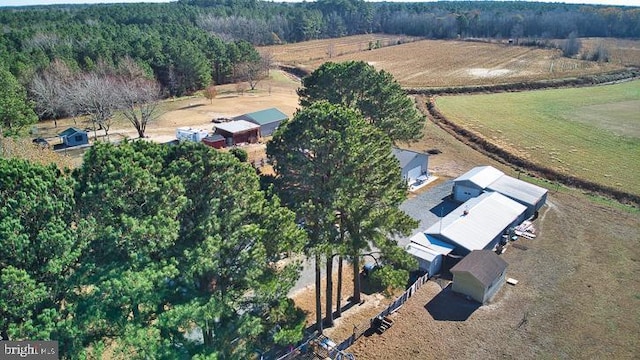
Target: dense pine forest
189, 44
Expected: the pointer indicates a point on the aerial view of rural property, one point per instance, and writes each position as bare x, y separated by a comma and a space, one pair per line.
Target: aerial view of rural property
326, 179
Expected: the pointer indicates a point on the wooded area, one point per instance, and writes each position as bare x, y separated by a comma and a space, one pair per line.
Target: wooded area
188, 45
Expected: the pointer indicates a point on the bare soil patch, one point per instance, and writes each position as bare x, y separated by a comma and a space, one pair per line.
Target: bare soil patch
443, 63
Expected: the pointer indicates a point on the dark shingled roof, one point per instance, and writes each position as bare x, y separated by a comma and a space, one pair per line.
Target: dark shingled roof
484, 265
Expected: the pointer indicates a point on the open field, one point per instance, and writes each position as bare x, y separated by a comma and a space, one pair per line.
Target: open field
440, 63
578, 295
621, 51
591, 133
310, 52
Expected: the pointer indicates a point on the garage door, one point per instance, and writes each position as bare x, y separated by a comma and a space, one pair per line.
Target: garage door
413, 174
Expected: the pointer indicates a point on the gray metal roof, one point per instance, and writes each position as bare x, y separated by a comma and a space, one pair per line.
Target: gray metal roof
421, 252
487, 216
405, 156
482, 176
431, 243
517, 189
237, 126
484, 265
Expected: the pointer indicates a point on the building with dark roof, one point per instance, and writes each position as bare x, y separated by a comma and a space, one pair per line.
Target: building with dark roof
479, 275
268, 119
74, 137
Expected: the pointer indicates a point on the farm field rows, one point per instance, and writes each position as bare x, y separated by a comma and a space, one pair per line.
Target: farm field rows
317, 51
440, 63
591, 133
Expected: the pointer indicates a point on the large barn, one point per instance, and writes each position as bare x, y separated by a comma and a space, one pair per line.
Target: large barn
479, 223
413, 165
479, 275
267, 119
487, 178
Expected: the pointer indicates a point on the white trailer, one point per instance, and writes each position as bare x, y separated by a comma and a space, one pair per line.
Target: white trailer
189, 134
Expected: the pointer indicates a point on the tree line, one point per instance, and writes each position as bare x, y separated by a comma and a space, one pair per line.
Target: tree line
190, 44
173, 252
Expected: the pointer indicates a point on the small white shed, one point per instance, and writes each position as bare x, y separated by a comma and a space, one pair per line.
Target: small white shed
429, 261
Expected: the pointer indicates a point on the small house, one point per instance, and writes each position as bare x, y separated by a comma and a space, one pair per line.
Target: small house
74, 137
238, 132
268, 120
189, 134
216, 141
479, 275
413, 165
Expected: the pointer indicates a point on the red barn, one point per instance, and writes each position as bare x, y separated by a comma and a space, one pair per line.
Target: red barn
216, 141
237, 132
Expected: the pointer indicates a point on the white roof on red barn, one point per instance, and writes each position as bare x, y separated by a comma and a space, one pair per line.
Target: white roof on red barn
238, 126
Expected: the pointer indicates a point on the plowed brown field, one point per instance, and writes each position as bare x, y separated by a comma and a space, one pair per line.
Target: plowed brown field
440, 63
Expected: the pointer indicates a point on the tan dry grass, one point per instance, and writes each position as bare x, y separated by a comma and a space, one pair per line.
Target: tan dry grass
441, 63
321, 50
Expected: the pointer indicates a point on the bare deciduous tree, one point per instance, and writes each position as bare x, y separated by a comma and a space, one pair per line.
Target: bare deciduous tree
50, 91
210, 92
139, 102
254, 71
96, 95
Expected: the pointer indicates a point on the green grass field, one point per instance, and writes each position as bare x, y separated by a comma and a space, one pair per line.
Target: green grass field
592, 133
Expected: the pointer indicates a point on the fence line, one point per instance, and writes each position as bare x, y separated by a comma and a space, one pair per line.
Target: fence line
358, 331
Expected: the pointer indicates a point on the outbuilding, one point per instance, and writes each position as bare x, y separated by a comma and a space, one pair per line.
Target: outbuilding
479, 275
429, 252
479, 223
474, 182
487, 178
414, 166
268, 119
74, 137
216, 141
237, 132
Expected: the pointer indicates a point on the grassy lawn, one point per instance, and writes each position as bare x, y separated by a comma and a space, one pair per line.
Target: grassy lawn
592, 133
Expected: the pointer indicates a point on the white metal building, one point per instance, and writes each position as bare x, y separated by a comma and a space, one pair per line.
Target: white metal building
474, 182
413, 165
487, 178
429, 252
479, 223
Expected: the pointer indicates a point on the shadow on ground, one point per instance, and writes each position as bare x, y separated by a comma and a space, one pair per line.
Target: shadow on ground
449, 306
445, 206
